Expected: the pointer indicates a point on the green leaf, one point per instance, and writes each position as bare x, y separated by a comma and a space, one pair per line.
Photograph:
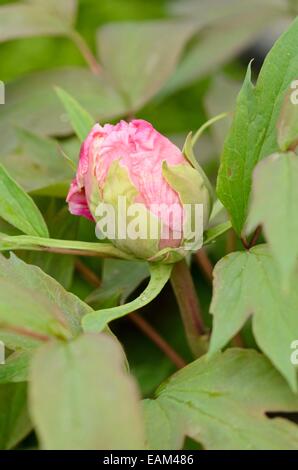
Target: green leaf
41, 306
17, 208
80, 119
248, 283
94, 403
152, 49
287, 126
31, 102
159, 275
277, 210
21, 20
221, 403
212, 233
253, 134
65, 10
37, 164
215, 42
16, 367
14, 419
119, 281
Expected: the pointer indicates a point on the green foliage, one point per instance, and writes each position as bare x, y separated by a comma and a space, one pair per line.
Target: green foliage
247, 283
253, 134
17, 208
66, 379
277, 210
14, 418
73, 413
221, 403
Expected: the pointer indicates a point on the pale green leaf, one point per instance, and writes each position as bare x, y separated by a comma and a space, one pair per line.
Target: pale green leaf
277, 210
248, 283
41, 305
20, 20
287, 126
152, 49
82, 398
221, 403
37, 164
219, 41
65, 10
31, 102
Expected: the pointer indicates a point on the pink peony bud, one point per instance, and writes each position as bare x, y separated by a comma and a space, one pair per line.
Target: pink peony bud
136, 162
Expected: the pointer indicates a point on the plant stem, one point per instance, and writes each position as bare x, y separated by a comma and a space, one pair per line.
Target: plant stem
86, 52
188, 302
205, 126
136, 318
149, 331
204, 264
255, 236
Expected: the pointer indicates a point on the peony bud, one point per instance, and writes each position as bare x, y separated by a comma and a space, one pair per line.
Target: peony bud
148, 183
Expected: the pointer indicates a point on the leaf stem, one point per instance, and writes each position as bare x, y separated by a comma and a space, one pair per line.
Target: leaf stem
86, 52
136, 318
188, 302
205, 126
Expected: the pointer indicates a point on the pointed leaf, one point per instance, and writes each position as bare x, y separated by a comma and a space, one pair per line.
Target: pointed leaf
17, 207
221, 403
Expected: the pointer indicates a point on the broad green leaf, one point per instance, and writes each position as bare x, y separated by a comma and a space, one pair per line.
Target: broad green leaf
152, 49
94, 403
16, 367
253, 134
20, 20
277, 209
65, 10
248, 283
159, 275
37, 164
17, 207
119, 281
41, 305
31, 102
215, 44
221, 403
287, 126
80, 119
14, 419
